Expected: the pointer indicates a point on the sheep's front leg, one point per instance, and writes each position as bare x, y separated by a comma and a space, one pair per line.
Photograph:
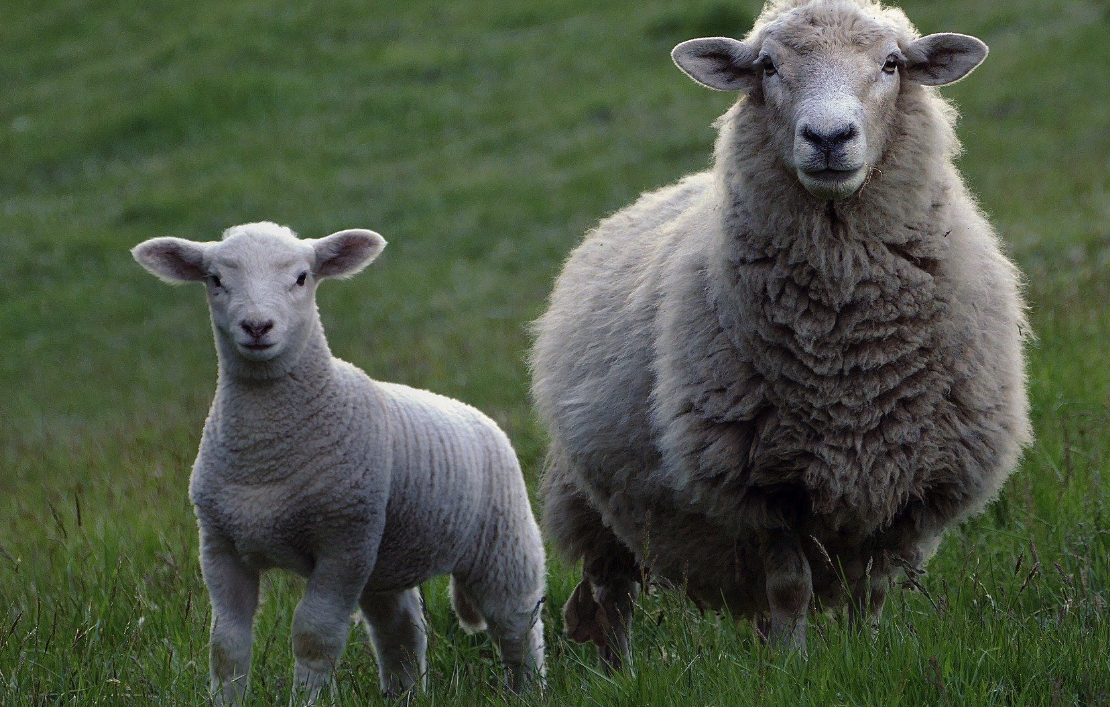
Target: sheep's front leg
233, 591
869, 589
789, 588
323, 620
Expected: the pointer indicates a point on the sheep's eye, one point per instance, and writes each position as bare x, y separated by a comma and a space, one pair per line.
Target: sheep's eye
301, 278
891, 64
215, 280
769, 68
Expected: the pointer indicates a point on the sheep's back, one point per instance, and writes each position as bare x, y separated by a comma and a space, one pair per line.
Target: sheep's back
592, 359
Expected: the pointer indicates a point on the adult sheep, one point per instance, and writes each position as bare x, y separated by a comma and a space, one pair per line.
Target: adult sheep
777, 381
366, 488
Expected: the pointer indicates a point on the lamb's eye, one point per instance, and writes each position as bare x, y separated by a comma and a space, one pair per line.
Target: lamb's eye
215, 280
769, 68
301, 278
891, 64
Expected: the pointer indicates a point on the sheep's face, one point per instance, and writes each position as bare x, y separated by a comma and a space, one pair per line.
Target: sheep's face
826, 78
261, 282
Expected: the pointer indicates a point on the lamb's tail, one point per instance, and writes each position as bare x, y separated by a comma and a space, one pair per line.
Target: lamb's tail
470, 618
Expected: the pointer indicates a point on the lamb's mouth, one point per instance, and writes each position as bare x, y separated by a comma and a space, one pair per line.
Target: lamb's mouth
832, 184
258, 350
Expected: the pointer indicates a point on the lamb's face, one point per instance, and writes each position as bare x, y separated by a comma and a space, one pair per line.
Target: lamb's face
826, 77
261, 292
261, 281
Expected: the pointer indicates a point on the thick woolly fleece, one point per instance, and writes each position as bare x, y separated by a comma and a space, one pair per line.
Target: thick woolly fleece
730, 357
368, 489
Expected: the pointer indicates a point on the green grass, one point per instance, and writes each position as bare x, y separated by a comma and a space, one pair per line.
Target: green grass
481, 139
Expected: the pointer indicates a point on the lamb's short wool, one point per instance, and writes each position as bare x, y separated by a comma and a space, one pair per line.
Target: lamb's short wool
777, 382
366, 488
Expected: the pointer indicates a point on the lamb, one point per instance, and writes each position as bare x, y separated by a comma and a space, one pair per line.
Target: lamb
778, 382
367, 489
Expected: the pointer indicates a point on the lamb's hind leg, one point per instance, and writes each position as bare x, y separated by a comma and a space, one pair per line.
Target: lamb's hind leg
516, 627
503, 590
399, 633
789, 589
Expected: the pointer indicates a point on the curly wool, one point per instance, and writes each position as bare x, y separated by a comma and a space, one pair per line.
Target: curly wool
729, 356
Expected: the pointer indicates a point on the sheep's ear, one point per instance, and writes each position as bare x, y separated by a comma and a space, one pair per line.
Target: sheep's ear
344, 253
174, 260
717, 62
941, 59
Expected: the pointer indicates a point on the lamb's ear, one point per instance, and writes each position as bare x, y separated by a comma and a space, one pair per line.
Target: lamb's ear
941, 59
717, 62
174, 260
344, 253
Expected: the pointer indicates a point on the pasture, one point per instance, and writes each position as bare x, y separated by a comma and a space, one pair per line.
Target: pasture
481, 139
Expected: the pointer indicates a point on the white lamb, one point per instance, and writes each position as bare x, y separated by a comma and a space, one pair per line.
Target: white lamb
366, 488
777, 381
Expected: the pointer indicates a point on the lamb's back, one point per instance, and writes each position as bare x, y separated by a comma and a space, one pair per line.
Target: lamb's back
452, 468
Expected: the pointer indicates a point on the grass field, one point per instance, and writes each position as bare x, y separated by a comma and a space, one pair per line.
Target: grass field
481, 139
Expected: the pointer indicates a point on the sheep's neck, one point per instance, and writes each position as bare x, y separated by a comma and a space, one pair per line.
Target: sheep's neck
896, 205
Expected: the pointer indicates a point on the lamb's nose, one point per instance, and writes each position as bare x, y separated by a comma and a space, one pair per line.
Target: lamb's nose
832, 140
257, 329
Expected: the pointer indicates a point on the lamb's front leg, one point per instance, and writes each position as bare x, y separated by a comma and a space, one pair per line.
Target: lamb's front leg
233, 591
323, 620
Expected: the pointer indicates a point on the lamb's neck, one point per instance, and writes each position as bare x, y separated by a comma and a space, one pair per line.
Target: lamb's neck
271, 406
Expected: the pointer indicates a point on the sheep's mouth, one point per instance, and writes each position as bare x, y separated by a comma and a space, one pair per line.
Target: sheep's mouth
831, 184
831, 175
257, 346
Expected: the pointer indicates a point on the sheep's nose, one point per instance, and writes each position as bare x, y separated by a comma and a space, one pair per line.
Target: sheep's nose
830, 140
257, 329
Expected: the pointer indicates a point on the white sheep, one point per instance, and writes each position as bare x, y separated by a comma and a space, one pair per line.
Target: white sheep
366, 488
778, 381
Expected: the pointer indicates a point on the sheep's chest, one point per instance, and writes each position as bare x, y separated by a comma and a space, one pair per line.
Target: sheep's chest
854, 376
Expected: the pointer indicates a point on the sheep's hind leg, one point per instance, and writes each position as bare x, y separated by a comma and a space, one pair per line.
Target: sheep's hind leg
399, 633
789, 589
600, 610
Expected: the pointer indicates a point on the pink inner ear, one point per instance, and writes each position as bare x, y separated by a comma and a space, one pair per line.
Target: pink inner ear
172, 259
941, 59
720, 63
346, 253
